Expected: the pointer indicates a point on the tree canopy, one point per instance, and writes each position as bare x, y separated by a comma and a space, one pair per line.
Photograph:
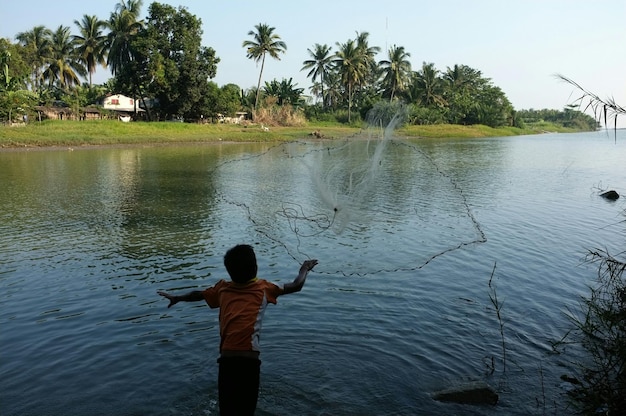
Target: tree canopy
161, 58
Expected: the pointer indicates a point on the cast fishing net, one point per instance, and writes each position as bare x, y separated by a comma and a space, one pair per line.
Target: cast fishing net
366, 204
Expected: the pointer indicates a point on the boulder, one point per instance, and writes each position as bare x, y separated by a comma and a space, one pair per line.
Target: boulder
611, 195
475, 392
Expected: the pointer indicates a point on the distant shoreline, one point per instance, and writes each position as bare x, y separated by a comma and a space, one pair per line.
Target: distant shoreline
64, 134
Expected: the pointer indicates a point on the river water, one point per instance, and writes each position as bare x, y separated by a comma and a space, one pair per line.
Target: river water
412, 238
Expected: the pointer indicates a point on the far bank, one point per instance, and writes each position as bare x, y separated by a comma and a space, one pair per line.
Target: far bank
113, 132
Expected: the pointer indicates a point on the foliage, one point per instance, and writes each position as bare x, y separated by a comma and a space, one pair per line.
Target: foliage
63, 66
285, 92
14, 102
264, 41
568, 118
123, 25
425, 115
396, 70
228, 100
37, 47
172, 66
601, 330
272, 114
14, 70
162, 59
603, 110
600, 327
383, 112
90, 43
351, 64
320, 65
13, 98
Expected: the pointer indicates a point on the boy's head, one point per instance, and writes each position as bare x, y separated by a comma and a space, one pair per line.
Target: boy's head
240, 262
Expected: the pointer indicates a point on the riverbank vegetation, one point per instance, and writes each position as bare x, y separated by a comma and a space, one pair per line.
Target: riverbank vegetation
599, 325
171, 80
112, 132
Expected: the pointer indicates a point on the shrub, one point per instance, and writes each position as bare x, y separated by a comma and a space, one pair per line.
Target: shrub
601, 331
283, 115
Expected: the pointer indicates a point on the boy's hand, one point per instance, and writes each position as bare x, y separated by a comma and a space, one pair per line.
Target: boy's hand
308, 265
173, 299
297, 284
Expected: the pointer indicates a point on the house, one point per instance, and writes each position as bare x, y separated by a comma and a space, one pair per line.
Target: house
55, 112
62, 112
91, 113
239, 117
121, 104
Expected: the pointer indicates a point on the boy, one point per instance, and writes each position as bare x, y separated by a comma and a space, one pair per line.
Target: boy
242, 303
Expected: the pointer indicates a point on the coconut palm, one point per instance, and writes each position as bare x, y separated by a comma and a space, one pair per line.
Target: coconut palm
461, 77
427, 87
369, 53
351, 63
265, 41
332, 95
63, 66
320, 65
396, 70
123, 25
362, 42
90, 44
37, 43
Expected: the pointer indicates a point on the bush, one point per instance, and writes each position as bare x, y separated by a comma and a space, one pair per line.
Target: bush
425, 116
601, 331
383, 112
280, 115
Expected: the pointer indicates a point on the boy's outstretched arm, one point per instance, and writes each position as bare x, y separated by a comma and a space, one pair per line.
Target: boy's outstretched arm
194, 296
298, 282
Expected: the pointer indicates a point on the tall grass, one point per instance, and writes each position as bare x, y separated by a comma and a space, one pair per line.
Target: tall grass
600, 328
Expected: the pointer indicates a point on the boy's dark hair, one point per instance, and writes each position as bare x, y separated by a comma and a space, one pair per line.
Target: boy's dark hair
240, 262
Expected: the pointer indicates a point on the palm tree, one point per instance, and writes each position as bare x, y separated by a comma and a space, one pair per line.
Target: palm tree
397, 70
351, 63
332, 95
369, 52
90, 44
123, 27
285, 92
63, 66
265, 41
461, 77
462, 89
320, 65
427, 87
37, 41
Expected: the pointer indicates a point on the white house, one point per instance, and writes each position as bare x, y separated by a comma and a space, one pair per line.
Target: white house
119, 102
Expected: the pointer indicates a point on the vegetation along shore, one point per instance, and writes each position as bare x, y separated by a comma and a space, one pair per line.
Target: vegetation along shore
48, 98
53, 133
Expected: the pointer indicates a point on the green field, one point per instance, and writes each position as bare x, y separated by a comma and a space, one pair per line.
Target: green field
113, 132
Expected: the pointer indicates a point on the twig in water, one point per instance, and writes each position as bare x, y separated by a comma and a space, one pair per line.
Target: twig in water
493, 297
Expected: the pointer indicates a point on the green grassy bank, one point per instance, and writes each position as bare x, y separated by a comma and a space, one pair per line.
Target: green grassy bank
113, 132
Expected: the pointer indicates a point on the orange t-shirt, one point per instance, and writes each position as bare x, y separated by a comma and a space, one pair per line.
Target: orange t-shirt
241, 311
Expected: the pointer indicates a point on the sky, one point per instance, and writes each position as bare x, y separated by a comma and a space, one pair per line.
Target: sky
519, 44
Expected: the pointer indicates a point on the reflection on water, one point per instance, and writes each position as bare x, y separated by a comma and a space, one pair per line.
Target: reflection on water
397, 308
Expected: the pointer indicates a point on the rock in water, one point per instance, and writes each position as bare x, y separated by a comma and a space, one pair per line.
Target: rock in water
476, 392
612, 195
